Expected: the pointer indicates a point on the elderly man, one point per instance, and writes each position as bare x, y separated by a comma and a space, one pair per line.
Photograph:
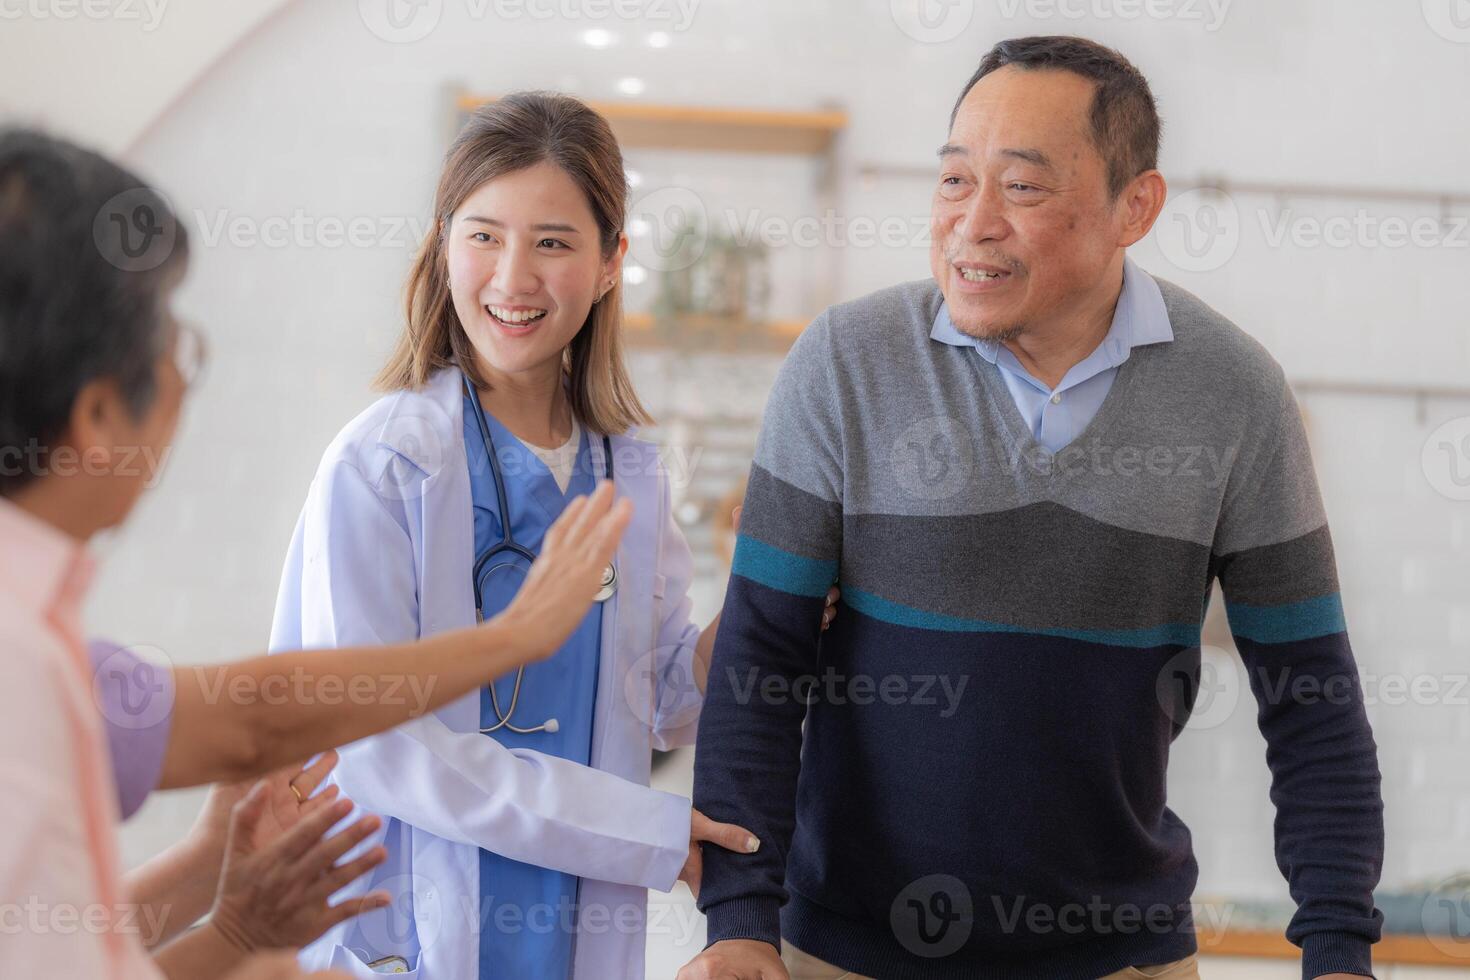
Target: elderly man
1026, 473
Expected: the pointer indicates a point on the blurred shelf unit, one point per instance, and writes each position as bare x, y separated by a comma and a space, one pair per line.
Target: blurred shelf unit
710, 333
716, 129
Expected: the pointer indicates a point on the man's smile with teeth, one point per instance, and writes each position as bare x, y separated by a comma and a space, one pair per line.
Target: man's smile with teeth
980, 275
505, 315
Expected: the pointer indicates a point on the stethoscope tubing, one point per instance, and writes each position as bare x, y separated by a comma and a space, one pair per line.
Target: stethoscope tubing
508, 543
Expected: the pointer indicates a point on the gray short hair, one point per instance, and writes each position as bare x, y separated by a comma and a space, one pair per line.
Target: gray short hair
1125, 118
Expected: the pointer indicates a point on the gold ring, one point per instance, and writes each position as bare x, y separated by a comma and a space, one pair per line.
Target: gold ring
297, 793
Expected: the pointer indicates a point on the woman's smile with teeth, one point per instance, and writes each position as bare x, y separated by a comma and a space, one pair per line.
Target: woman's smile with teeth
514, 317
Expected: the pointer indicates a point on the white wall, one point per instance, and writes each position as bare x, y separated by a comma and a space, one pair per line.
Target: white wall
106, 69
317, 115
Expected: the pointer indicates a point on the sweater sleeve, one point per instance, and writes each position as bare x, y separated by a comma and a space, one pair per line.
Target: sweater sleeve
1273, 555
786, 558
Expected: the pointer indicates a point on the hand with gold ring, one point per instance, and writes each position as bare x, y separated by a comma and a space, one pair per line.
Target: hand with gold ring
289, 795
292, 794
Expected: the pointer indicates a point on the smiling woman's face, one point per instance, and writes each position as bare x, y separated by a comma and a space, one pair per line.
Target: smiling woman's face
525, 265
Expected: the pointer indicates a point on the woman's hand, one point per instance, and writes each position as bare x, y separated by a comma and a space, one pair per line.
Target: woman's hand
285, 806
703, 830
274, 895
178, 886
291, 795
829, 612
568, 573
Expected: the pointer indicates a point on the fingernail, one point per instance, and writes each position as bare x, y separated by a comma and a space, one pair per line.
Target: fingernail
752, 845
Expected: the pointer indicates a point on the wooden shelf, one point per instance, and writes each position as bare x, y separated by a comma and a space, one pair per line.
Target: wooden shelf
714, 333
1417, 950
674, 127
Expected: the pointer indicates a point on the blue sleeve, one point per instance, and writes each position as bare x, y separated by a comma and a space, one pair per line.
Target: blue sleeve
786, 558
1275, 562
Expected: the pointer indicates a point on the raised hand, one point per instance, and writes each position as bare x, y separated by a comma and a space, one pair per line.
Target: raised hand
289, 797
274, 896
291, 794
563, 580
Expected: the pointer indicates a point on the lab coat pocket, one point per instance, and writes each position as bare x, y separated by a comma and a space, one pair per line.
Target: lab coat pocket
351, 962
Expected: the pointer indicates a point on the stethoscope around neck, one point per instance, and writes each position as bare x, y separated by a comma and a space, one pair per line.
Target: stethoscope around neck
507, 543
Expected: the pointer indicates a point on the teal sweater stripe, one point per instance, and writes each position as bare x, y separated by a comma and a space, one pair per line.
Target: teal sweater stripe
1182, 634
781, 570
1288, 623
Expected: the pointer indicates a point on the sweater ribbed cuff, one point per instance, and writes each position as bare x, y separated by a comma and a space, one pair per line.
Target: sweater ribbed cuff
751, 917
1336, 952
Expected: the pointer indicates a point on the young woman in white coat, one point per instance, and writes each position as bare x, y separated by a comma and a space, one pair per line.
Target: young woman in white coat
521, 831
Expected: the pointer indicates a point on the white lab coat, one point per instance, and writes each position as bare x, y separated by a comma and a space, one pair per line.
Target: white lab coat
382, 553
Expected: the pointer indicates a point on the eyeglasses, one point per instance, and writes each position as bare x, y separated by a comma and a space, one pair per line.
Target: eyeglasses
189, 353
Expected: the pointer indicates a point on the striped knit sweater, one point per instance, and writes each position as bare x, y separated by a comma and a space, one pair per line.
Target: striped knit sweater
979, 787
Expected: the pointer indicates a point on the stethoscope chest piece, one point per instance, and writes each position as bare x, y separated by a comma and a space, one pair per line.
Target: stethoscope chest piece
609, 584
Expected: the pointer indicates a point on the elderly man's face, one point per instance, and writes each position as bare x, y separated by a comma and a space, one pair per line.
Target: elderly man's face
1022, 224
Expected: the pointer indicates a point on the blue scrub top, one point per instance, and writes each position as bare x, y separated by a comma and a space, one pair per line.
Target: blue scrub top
528, 914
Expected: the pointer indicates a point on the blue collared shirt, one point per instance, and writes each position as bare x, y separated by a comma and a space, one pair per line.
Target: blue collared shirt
1058, 415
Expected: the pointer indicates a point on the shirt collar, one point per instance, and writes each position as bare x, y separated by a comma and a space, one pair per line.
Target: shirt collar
46, 568
1140, 318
